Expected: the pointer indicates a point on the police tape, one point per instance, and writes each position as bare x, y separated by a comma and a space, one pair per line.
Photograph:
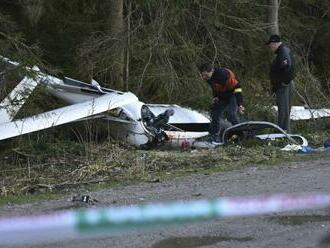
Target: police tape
65, 225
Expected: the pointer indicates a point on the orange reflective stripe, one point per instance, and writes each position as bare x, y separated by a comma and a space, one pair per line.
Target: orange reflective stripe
228, 86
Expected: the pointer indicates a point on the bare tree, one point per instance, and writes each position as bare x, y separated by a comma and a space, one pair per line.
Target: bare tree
127, 57
273, 6
32, 9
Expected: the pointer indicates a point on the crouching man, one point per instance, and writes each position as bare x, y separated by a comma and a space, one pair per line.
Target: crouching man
227, 98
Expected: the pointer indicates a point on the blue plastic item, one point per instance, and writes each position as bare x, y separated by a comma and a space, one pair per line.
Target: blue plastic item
327, 143
307, 149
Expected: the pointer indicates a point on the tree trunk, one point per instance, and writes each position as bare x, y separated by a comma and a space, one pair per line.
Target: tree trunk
114, 29
128, 30
273, 6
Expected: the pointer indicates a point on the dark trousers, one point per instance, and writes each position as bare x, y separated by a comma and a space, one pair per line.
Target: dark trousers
224, 108
283, 102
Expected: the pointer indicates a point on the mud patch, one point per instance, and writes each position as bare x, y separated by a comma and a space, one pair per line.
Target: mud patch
325, 241
196, 241
294, 220
70, 207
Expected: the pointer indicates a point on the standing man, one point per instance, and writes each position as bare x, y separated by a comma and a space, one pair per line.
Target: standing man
281, 78
227, 98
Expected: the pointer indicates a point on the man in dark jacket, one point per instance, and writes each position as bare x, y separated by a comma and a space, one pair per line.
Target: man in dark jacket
281, 78
227, 98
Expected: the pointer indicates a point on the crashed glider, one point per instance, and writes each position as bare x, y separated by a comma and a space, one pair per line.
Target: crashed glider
129, 118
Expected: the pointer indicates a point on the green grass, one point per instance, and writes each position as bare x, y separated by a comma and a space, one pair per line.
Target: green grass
49, 170
20, 199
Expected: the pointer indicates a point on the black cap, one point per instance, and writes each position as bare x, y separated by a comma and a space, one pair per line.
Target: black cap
273, 38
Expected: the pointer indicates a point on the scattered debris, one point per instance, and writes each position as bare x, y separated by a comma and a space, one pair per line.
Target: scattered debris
303, 113
143, 125
155, 180
84, 199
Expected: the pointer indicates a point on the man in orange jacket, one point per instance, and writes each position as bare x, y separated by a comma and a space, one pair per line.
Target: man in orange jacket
227, 97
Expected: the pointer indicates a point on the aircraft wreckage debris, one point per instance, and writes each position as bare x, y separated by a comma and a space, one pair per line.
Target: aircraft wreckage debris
143, 125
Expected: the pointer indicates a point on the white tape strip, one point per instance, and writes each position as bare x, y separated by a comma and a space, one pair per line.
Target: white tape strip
91, 222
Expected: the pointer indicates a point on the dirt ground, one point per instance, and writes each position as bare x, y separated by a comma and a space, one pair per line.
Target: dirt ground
296, 229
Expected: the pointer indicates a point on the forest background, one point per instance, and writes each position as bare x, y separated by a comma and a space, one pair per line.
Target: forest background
153, 48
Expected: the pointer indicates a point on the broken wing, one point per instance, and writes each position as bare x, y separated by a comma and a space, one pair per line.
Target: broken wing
65, 115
